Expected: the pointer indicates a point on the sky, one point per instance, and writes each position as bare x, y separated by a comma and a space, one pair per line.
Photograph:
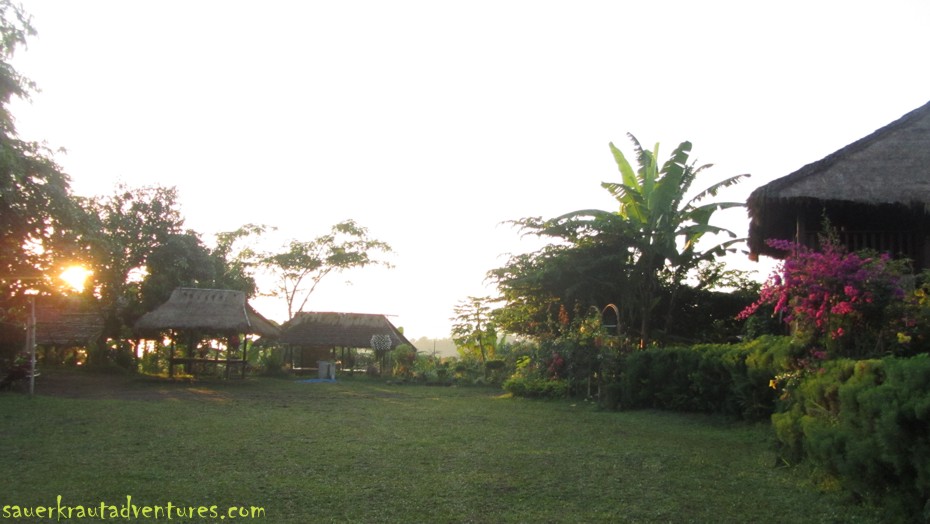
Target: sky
433, 123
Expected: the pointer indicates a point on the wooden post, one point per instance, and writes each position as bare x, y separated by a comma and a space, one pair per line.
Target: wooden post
244, 343
171, 355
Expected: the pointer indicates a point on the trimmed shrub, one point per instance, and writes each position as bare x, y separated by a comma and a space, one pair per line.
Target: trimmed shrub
729, 379
532, 387
867, 423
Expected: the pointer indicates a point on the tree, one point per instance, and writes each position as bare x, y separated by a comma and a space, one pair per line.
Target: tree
180, 261
587, 263
236, 259
37, 213
301, 266
126, 228
666, 227
473, 329
639, 256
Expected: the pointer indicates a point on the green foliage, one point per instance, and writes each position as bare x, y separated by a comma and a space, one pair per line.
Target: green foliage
181, 261
236, 259
404, 357
495, 371
301, 265
431, 370
913, 327
867, 423
154, 362
666, 227
535, 387
267, 360
473, 329
125, 229
588, 263
699, 315
728, 379
39, 221
582, 358
639, 256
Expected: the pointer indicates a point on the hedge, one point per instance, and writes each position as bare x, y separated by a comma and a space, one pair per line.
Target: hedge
867, 423
730, 379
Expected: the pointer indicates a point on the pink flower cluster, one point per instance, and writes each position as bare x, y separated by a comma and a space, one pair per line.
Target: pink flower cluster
826, 292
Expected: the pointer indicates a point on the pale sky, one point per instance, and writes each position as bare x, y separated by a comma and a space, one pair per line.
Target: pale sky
431, 122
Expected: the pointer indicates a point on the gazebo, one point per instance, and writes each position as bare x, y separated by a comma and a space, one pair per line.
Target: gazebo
314, 336
194, 315
875, 193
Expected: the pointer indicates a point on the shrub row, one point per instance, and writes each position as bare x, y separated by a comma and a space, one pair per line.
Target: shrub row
731, 379
535, 387
867, 423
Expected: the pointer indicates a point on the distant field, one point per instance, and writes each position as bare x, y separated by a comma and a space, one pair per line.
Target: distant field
364, 451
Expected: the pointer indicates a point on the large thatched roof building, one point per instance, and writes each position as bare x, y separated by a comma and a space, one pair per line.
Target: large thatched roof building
194, 314
209, 311
328, 330
875, 193
316, 336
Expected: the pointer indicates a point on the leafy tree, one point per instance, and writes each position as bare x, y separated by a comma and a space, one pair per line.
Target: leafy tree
37, 214
587, 263
236, 259
473, 329
665, 228
301, 266
181, 261
127, 227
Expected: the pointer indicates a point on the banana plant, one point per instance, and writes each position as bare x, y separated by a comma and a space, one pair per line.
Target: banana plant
666, 228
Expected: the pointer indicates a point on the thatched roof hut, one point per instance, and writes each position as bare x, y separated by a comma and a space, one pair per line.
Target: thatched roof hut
67, 323
64, 323
216, 311
329, 330
314, 337
192, 313
875, 192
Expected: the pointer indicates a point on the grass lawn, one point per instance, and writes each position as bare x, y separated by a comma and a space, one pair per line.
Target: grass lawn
366, 451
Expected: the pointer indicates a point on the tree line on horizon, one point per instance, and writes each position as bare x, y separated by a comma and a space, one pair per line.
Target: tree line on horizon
133, 240
647, 257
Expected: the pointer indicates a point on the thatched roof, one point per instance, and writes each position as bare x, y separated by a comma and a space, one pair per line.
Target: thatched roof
67, 324
207, 310
889, 168
329, 330
59, 322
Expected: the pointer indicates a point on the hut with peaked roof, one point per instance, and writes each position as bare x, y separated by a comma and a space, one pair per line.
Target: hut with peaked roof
67, 324
65, 327
313, 337
874, 192
193, 315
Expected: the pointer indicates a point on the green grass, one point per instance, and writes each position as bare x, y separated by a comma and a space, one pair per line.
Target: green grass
365, 451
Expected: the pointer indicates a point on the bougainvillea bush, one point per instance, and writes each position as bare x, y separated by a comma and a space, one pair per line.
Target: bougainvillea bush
841, 303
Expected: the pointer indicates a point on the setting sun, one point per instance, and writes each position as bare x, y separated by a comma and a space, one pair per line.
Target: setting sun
75, 277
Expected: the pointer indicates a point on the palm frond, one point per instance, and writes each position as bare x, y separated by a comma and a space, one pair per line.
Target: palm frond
714, 189
626, 170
